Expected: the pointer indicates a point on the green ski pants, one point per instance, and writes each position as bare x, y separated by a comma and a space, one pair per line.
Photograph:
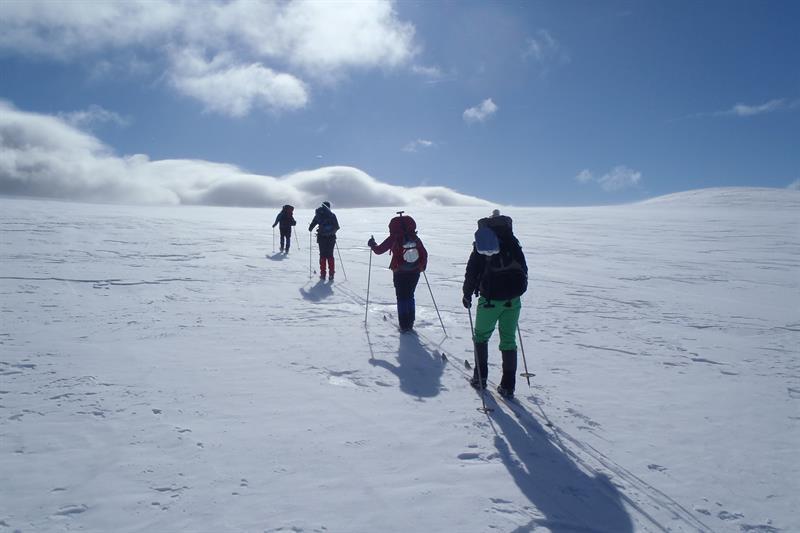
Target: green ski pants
492, 312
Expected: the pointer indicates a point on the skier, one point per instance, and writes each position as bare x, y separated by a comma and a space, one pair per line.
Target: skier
326, 238
496, 271
286, 220
409, 259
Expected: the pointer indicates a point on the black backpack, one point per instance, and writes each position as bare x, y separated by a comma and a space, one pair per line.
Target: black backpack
503, 276
327, 226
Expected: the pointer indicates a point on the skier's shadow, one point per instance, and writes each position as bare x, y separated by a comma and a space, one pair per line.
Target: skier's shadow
569, 498
278, 256
318, 292
419, 370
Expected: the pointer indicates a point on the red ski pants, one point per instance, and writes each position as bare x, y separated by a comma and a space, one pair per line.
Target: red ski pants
330, 263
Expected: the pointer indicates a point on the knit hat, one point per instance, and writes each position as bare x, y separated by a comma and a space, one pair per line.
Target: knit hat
327, 204
496, 213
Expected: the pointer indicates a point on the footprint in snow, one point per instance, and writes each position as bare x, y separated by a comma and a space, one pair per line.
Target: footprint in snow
725, 515
474, 456
469, 456
70, 510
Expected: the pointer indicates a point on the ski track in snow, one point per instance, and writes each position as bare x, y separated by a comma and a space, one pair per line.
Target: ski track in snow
131, 402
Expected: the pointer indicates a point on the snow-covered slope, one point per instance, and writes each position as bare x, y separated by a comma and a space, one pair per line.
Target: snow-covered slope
162, 370
731, 198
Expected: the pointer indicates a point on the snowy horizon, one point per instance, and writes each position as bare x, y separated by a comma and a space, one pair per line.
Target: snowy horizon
49, 157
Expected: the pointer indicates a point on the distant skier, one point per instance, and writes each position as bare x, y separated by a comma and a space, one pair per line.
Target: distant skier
326, 238
286, 220
409, 258
496, 271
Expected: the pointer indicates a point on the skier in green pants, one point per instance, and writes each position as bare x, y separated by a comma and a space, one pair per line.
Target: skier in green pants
498, 273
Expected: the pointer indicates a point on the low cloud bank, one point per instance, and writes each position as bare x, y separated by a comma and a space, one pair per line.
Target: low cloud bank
42, 155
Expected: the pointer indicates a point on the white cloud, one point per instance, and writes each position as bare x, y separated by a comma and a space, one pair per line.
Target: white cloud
234, 89
743, 110
45, 156
268, 46
428, 72
481, 112
415, 146
795, 185
618, 178
584, 176
545, 50
323, 37
93, 115
431, 74
64, 30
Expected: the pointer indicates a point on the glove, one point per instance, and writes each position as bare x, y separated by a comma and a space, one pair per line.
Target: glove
371, 242
274, 225
467, 301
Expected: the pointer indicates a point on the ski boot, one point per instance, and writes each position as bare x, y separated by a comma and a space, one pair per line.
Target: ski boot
509, 380
482, 360
505, 393
477, 385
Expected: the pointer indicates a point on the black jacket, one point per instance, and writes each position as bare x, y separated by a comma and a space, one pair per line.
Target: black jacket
328, 224
285, 219
503, 276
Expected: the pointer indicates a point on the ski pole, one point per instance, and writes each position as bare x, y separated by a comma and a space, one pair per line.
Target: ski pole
297, 241
485, 409
310, 271
434, 303
369, 276
527, 375
341, 263
273, 239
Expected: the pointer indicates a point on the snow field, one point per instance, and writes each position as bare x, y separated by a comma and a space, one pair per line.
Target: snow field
162, 369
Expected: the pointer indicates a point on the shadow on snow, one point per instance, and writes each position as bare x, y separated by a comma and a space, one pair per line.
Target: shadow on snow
569, 498
317, 292
418, 370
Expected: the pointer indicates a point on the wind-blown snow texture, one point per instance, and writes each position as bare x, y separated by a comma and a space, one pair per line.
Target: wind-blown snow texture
162, 370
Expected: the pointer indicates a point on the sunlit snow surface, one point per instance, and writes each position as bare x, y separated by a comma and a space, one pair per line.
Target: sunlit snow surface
162, 370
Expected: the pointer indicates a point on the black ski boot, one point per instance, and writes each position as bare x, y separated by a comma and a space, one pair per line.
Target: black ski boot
482, 362
509, 380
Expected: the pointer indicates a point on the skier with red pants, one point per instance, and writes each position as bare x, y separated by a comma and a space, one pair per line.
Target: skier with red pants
409, 259
326, 238
498, 273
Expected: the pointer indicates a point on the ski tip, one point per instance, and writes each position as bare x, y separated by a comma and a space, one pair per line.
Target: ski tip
444, 356
467, 365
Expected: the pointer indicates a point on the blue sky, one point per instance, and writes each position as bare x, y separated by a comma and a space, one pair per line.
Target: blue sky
525, 103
